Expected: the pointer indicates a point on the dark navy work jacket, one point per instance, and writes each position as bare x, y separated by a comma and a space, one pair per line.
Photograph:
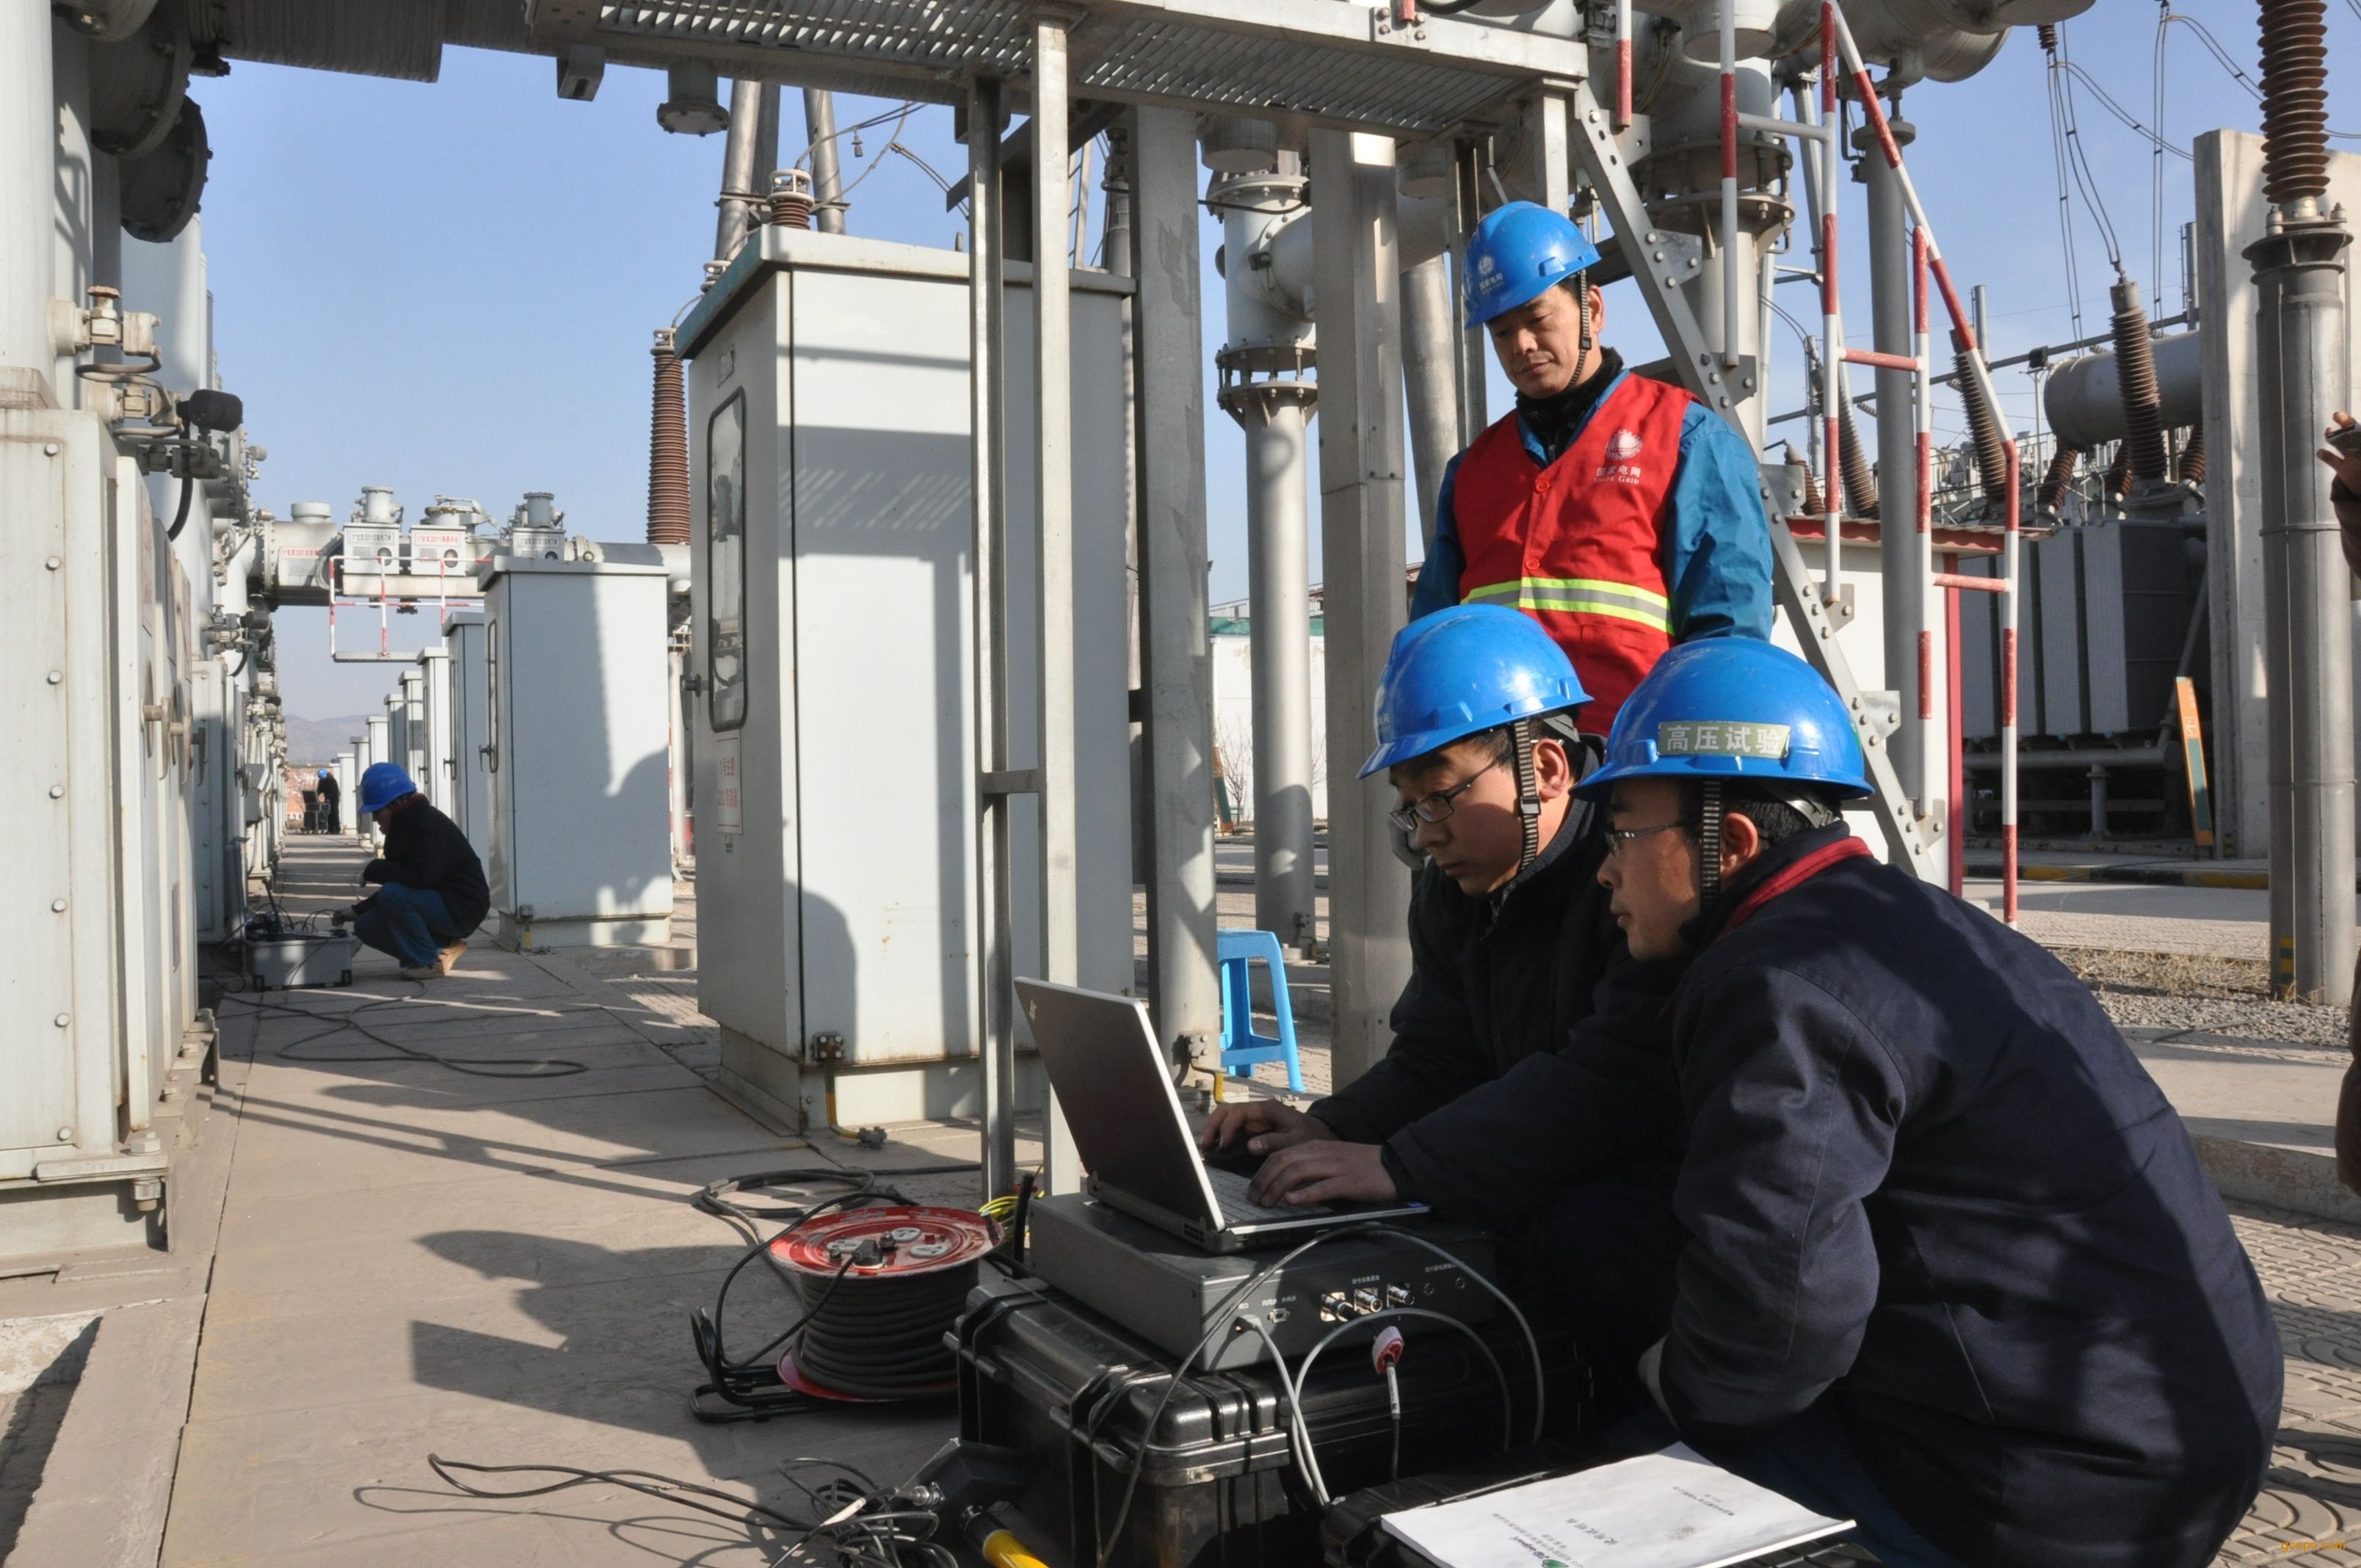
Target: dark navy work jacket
1488, 1103
1929, 1181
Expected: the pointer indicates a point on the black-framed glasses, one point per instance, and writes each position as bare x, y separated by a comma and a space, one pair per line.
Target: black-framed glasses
1435, 807
1618, 836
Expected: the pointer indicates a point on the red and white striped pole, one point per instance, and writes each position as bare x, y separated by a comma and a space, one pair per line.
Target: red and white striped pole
1832, 322
1622, 64
1963, 333
1729, 184
1921, 286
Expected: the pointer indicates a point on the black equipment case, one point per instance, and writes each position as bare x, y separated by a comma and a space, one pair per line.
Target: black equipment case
1217, 1487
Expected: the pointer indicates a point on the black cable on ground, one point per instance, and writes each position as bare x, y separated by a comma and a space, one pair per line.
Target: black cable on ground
643, 1481
477, 1066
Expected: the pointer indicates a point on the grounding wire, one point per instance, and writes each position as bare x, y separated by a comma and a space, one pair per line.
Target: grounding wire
1230, 1309
2063, 68
2065, 189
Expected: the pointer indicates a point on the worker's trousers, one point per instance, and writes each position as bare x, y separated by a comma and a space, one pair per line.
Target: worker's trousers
410, 922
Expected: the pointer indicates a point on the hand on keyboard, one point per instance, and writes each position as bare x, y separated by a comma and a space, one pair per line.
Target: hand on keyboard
1234, 1193
1326, 1171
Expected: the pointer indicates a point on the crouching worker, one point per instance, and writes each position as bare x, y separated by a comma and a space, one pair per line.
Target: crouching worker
431, 893
1480, 1109
1953, 1269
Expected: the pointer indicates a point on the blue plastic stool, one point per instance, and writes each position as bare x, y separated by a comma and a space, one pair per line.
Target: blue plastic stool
1241, 1047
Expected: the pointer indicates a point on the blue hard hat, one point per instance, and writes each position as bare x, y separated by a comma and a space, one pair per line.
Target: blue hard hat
1462, 671
382, 785
1517, 253
1730, 708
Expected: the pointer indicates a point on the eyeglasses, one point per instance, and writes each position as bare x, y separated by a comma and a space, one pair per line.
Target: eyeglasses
1618, 836
1439, 805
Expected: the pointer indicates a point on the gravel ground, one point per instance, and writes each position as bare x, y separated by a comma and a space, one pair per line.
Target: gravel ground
2208, 995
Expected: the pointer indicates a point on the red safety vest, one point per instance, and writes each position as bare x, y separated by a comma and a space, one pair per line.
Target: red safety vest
1579, 545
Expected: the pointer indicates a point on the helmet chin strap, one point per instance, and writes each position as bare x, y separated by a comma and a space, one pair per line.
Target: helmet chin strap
1529, 794
1582, 303
1709, 845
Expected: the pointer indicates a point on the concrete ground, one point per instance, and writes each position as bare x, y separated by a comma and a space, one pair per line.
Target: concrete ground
377, 1255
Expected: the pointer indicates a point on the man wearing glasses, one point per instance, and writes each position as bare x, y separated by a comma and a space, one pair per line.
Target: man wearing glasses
1480, 1109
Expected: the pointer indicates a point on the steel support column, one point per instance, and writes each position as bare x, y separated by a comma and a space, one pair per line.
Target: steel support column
738, 172
828, 187
1175, 656
1472, 353
2302, 368
27, 206
1430, 372
1275, 416
1053, 490
1904, 581
1357, 285
987, 332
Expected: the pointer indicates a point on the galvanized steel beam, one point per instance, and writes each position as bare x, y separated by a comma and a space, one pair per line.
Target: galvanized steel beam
1358, 285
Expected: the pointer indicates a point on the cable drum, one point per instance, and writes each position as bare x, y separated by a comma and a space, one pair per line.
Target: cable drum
880, 1289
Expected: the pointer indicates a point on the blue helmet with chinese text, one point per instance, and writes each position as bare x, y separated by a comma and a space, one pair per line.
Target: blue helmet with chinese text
1732, 708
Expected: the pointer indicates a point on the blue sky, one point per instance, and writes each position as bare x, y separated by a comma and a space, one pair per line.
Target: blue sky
450, 286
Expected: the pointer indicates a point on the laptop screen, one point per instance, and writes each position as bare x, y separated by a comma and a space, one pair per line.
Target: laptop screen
1110, 1075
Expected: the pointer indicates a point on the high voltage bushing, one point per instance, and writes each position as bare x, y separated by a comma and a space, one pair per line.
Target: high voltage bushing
1852, 464
1983, 431
791, 199
2192, 456
2136, 381
2119, 473
2295, 100
667, 449
2061, 474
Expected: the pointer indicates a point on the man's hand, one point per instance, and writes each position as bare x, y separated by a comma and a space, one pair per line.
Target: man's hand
1326, 1170
1266, 1124
2346, 464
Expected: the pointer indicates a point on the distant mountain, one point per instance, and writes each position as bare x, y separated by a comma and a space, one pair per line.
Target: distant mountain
317, 741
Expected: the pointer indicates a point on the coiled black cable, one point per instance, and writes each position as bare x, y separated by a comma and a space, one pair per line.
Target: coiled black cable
881, 1338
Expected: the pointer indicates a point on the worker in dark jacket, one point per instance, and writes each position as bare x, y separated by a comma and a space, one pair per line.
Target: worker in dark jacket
432, 893
1953, 1269
331, 795
1476, 1108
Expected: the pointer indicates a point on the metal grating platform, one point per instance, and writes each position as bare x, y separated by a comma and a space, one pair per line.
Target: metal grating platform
1340, 64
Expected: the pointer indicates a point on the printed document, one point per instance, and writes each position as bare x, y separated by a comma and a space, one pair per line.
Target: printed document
1669, 1509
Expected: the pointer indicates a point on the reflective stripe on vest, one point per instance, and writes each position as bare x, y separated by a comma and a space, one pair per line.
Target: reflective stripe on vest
1582, 595
1580, 544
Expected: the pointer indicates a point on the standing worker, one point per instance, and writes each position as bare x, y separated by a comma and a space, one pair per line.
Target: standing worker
1618, 511
433, 891
332, 794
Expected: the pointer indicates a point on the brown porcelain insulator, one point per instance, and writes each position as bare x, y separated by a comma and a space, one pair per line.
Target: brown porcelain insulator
1852, 465
668, 450
2135, 382
2061, 474
2295, 100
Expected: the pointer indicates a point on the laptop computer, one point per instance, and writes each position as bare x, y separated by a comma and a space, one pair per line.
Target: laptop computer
1142, 1158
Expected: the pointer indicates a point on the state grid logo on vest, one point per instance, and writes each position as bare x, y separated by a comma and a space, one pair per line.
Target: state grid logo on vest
1622, 466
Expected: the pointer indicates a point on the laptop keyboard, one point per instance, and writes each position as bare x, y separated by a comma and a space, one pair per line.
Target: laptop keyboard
1230, 1190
